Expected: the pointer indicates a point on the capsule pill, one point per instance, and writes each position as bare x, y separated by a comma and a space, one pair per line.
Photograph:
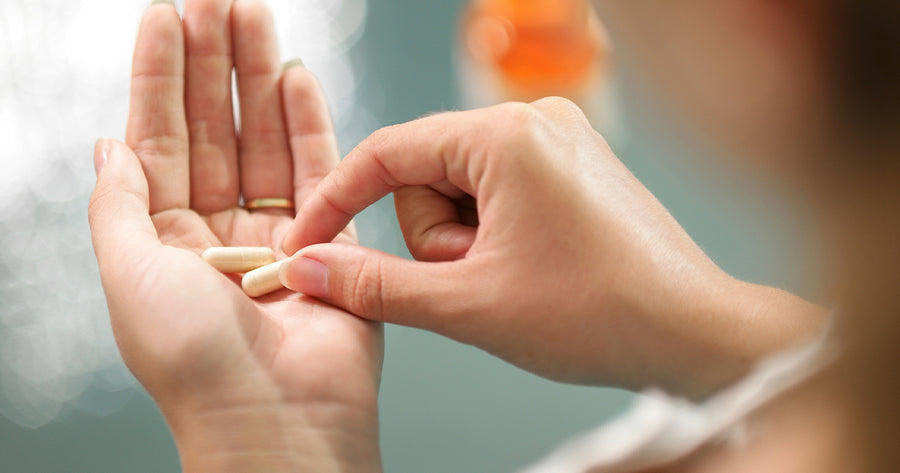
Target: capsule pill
238, 259
262, 280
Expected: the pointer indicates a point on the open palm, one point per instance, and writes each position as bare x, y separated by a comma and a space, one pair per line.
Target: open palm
188, 332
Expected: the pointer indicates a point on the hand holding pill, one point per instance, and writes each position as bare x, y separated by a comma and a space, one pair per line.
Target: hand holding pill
535, 243
186, 206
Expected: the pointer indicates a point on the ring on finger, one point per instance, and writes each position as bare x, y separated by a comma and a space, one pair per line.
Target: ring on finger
269, 203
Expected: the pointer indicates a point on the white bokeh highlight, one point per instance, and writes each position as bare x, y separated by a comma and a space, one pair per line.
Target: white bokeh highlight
64, 69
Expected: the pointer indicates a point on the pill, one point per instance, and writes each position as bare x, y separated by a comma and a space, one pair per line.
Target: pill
262, 280
238, 259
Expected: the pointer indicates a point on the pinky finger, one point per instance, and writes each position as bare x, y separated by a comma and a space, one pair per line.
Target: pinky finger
309, 128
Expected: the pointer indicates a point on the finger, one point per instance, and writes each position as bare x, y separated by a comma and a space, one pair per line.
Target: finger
156, 130
383, 287
309, 129
444, 147
121, 228
431, 224
265, 160
210, 117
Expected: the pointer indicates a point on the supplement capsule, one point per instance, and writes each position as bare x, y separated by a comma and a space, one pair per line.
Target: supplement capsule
262, 280
238, 259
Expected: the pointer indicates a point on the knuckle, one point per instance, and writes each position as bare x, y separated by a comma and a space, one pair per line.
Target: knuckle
557, 103
519, 114
522, 127
378, 139
561, 107
563, 110
364, 292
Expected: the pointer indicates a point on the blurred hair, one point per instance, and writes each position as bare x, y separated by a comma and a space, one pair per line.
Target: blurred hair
866, 45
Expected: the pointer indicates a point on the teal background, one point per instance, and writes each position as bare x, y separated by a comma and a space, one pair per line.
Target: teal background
446, 407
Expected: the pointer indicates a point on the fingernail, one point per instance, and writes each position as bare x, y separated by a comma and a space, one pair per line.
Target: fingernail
292, 63
306, 275
163, 2
101, 154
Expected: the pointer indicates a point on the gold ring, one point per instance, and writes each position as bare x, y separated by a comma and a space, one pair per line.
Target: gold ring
269, 203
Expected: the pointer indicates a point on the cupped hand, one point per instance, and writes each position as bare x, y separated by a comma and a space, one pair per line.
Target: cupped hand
283, 382
535, 243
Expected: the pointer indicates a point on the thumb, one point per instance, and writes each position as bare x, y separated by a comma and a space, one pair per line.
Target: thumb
121, 228
379, 286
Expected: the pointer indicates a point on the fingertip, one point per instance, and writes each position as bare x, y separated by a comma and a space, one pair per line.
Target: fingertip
296, 62
160, 8
120, 168
310, 228
289, 243
306, 275
170, 3
107, 152
115, 149
101, 154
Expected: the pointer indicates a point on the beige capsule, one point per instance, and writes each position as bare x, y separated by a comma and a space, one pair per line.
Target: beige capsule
238, 259
262, 280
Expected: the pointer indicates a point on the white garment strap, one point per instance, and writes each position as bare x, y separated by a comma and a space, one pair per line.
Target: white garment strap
660, 428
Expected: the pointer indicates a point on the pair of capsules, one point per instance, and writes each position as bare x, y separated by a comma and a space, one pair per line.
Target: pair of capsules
257, 263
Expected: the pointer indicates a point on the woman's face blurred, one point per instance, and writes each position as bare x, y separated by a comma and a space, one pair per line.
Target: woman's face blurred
746, 72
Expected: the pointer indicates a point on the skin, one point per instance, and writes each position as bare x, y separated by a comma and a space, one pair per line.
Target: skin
280, 383
743, 77
640, 304
532, 240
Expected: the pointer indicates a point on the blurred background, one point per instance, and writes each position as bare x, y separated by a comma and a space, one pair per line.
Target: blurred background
67, 404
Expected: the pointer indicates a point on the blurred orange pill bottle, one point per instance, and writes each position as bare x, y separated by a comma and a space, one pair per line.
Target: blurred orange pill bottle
527, 49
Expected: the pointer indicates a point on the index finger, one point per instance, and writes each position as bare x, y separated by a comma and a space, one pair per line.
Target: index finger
422, 152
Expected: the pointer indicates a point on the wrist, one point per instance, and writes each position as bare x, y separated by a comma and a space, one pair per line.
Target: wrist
733, 326
275, 436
